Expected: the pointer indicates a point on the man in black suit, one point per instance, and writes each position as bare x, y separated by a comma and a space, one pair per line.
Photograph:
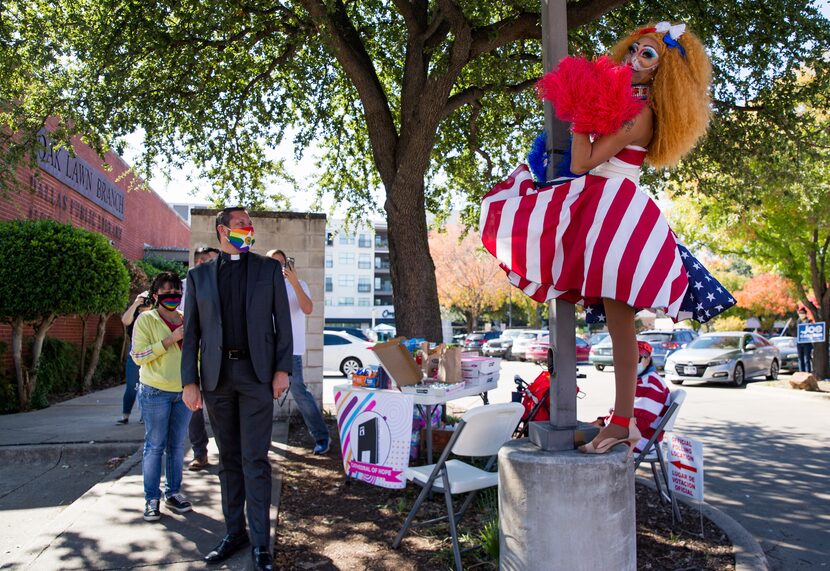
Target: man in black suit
237, 348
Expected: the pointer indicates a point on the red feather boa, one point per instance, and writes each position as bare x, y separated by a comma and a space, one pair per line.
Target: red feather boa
593, 95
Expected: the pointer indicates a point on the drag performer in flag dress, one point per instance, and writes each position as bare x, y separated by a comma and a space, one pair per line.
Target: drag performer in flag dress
594, 237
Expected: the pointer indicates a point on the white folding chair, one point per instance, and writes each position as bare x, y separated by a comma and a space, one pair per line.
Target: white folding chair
653, 453
480, 433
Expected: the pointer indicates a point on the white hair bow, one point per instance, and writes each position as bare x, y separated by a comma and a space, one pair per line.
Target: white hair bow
674, 31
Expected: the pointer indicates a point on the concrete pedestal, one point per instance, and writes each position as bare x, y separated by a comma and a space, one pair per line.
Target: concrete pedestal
566, 510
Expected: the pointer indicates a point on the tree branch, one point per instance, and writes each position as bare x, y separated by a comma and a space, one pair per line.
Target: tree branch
475, 93
345, 44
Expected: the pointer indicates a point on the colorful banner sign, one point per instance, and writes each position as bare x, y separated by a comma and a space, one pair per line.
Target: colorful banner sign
375, 431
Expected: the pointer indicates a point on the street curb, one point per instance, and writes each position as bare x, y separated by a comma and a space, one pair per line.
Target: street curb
31, 453
749, 556
806, 395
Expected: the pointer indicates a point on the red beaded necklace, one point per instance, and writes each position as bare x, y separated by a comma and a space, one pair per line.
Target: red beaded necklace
640, 91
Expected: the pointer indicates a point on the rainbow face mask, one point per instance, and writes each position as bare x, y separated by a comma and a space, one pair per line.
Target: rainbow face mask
170, 301
241, 238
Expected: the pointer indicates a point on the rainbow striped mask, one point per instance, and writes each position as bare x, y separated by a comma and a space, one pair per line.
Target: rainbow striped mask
169, 301
241, 238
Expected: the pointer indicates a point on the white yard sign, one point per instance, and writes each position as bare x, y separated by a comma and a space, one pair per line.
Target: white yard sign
685, 459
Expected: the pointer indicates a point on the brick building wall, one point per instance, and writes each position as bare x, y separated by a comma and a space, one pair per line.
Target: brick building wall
303, 237
135, 218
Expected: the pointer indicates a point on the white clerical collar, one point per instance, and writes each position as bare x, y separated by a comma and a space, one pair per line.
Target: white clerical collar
234, 257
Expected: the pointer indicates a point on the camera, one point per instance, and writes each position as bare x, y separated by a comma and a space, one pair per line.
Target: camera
289, 262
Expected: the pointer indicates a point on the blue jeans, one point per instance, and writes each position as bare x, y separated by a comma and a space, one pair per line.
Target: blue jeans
165, 428
130, 391
805, 357
305, 402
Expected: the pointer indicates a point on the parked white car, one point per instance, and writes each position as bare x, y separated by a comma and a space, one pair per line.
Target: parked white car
346, 353
726, 357
524, 340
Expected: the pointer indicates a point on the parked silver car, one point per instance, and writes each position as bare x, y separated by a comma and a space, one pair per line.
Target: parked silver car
726, 357
789, 352
501, 347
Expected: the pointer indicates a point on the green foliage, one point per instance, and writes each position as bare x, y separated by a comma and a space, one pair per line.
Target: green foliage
57, 371
153, 265
489, 536
110, 366
221, 86
728, 323
53, 268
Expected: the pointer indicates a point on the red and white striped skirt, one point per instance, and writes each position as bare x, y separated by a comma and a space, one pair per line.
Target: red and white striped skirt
584, 240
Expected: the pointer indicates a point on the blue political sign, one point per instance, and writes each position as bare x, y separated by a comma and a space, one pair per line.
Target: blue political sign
811, 332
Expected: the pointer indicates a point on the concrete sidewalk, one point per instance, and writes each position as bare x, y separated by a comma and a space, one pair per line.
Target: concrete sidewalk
104, 528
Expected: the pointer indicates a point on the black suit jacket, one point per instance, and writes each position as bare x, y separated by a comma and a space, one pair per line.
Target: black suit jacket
268, 322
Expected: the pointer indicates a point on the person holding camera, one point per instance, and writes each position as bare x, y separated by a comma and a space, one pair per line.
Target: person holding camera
299, 300
141, 303
157, 349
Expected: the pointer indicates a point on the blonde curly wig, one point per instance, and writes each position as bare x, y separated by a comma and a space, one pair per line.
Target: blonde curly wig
679, 95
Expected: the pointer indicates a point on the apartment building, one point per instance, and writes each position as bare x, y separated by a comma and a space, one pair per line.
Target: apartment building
358, 287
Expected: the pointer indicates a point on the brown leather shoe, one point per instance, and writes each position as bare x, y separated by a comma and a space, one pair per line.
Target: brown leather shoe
198, 463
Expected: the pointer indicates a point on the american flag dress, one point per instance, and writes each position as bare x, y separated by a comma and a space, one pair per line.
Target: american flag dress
594, 237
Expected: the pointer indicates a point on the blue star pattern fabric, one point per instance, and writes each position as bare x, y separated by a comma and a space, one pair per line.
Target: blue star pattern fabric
705, 297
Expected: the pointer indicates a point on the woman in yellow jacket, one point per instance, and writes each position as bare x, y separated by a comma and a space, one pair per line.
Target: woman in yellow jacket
156, 348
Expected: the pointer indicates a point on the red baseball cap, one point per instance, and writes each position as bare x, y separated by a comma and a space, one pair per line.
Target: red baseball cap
644, 348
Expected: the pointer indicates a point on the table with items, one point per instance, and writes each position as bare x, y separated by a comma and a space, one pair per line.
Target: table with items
380, 412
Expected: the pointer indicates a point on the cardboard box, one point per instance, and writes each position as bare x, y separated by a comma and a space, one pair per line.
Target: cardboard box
484, 382
398, 362
474, 366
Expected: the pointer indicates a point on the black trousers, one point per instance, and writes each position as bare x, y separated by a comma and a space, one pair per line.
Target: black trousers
197, 431
241, 414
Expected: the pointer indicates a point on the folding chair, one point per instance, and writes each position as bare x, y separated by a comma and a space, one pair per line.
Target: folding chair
653, 453
481, 432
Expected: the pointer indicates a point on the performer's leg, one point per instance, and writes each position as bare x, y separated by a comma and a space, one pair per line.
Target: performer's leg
624, 340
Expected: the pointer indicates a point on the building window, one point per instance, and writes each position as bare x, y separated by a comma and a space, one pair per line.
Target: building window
363, 302
346, 259
347, 239
345, 301
327, 301
329, 285
364, 262
364, 241
329, 239
345, 280
329, 262
364, 285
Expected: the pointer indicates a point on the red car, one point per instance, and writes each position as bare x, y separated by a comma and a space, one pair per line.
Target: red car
538, 352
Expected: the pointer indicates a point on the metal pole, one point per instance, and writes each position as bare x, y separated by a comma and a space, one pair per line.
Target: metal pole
558, 434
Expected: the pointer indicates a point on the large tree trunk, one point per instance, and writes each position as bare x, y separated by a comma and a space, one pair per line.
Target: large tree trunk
96, 350
821, 367
417, 311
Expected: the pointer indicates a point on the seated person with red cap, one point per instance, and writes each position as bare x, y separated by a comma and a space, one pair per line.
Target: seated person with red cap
651, 398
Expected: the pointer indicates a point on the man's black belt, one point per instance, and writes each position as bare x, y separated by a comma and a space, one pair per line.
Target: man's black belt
236, 354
